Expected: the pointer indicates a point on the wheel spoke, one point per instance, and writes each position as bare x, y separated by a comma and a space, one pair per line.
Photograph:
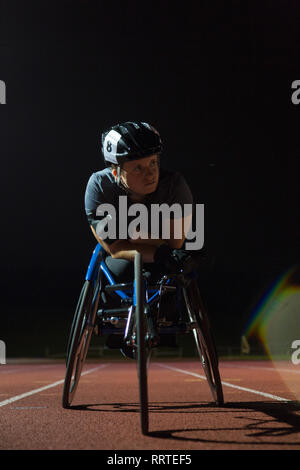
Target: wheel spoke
204, 341
81, 332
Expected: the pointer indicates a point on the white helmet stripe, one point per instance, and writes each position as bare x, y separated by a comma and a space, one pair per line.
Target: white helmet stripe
110, 145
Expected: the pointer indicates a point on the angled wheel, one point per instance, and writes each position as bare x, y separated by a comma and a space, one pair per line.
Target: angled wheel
204, 341
141, 343
79, 339
74, 324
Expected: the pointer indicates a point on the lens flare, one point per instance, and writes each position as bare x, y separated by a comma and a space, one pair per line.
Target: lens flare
275, 323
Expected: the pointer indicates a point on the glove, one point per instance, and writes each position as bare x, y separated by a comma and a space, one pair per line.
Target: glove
163, 257
174, 261
184, 260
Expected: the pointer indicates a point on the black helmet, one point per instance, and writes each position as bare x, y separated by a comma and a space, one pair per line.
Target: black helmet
130, 141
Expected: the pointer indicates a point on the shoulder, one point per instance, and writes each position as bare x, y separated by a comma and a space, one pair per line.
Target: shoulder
101, 178
171, 177
176, 186
101, 187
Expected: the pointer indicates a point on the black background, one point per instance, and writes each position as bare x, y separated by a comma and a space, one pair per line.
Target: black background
215, 79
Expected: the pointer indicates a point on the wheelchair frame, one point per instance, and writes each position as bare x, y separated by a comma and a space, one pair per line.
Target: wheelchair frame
141, 328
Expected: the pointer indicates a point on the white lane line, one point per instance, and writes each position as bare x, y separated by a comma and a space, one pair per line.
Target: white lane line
227, 384
10, 371
26, 368
27, 407
41, 389
272, 369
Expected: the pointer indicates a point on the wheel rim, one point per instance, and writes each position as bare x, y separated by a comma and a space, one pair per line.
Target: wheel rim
206, 351
82, 331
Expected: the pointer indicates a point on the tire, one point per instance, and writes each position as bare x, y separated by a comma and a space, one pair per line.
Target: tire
73, 325
204, 341
141, 346
79, 341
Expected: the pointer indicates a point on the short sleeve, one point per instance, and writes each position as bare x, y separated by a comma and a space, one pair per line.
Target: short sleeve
94, 200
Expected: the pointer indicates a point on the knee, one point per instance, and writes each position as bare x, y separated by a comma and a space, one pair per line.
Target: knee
121, 269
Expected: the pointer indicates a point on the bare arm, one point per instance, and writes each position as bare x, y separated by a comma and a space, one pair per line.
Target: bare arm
127, 249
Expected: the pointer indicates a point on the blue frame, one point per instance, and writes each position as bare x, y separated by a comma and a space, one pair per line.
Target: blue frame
97, 263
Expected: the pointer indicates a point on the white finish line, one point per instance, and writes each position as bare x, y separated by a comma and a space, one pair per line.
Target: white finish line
244, 389
41, 389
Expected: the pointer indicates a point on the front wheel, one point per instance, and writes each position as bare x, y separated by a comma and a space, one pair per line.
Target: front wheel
141, 343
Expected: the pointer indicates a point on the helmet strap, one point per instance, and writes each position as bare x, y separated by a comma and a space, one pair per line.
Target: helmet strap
118, 180
118, 175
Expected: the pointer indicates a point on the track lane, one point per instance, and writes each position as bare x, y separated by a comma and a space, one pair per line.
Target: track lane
227, 384
106, 409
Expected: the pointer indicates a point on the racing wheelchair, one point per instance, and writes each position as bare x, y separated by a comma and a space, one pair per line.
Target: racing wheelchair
135, 311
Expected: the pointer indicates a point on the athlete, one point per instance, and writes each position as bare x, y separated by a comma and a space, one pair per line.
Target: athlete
132, 153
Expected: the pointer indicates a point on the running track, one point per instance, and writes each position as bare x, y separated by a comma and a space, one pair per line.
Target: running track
260, 412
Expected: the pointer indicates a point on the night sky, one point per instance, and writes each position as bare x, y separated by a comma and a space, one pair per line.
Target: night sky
215, 78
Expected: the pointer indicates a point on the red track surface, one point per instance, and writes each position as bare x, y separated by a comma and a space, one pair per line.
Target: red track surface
182, 416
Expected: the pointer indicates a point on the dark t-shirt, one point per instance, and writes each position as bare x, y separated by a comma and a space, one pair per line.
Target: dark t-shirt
109, 204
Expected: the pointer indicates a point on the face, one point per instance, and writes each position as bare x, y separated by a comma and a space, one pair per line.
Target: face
141, 176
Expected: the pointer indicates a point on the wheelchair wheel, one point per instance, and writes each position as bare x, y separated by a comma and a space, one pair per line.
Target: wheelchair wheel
204, 341
141, 343
79, 341
73, 325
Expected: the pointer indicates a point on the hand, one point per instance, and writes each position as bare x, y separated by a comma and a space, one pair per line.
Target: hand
174, 261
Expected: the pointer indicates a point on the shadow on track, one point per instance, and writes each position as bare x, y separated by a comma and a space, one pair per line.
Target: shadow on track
278, 420
190, 407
